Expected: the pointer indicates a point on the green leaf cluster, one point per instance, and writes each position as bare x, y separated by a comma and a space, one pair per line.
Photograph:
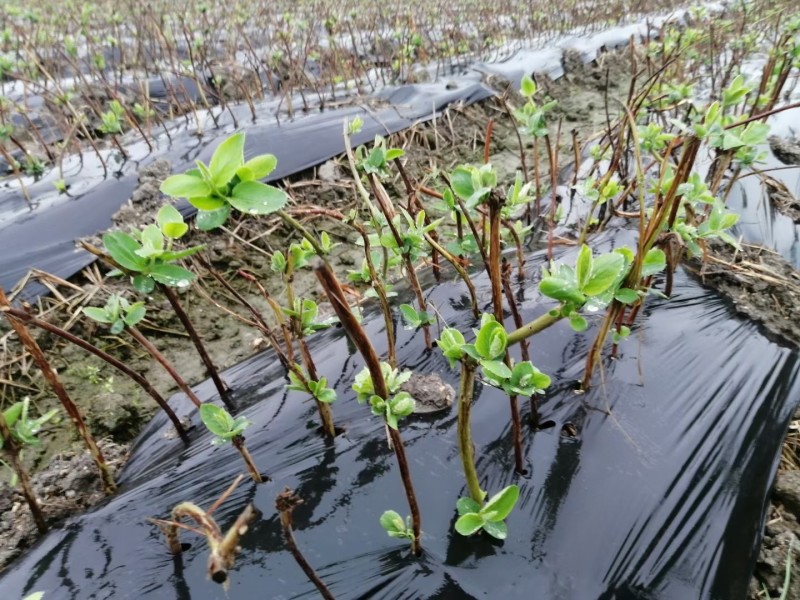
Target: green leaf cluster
396, 527
118, 312
376, 161
489, 352
533, 116
299, 254
306, 311
219, 422
111, 120
490, 517
23, 428
593, 280
716, 225
148, 254
397, 406
228, 182
473, 184
318, 390
415, 318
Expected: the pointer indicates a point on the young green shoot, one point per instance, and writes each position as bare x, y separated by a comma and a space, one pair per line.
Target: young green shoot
228, 182
226, 429
18, 430
472, 517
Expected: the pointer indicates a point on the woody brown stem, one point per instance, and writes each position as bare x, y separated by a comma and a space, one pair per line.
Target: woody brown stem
496, 277
414, 206
388, 212
198, 343
360, 340
380, 290
285, 504
162, 360
238, 443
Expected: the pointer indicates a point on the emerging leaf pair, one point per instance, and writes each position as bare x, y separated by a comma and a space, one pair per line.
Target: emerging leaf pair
319, 390
396, 527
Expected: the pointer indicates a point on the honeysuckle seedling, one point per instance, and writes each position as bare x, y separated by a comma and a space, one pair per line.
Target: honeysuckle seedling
121, 315
716, 225
112, 119
622, 334
299, 254
148, 254
488, 351
397, 406
376, 162
364, 276
595, 281
473, 184
654, 139
226, 429
533, 116
396, 527
317, 389
24, 430
412, 241
118, 313
518, 196
385, 384
719, 128
490, 517
228, 182
306, 312
302, 315
17, 431
415, 318
219, 422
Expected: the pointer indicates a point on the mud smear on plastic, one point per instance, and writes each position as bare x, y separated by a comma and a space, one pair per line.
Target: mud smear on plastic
660, 493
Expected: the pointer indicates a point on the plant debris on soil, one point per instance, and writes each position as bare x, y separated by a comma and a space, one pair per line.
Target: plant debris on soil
761, 285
